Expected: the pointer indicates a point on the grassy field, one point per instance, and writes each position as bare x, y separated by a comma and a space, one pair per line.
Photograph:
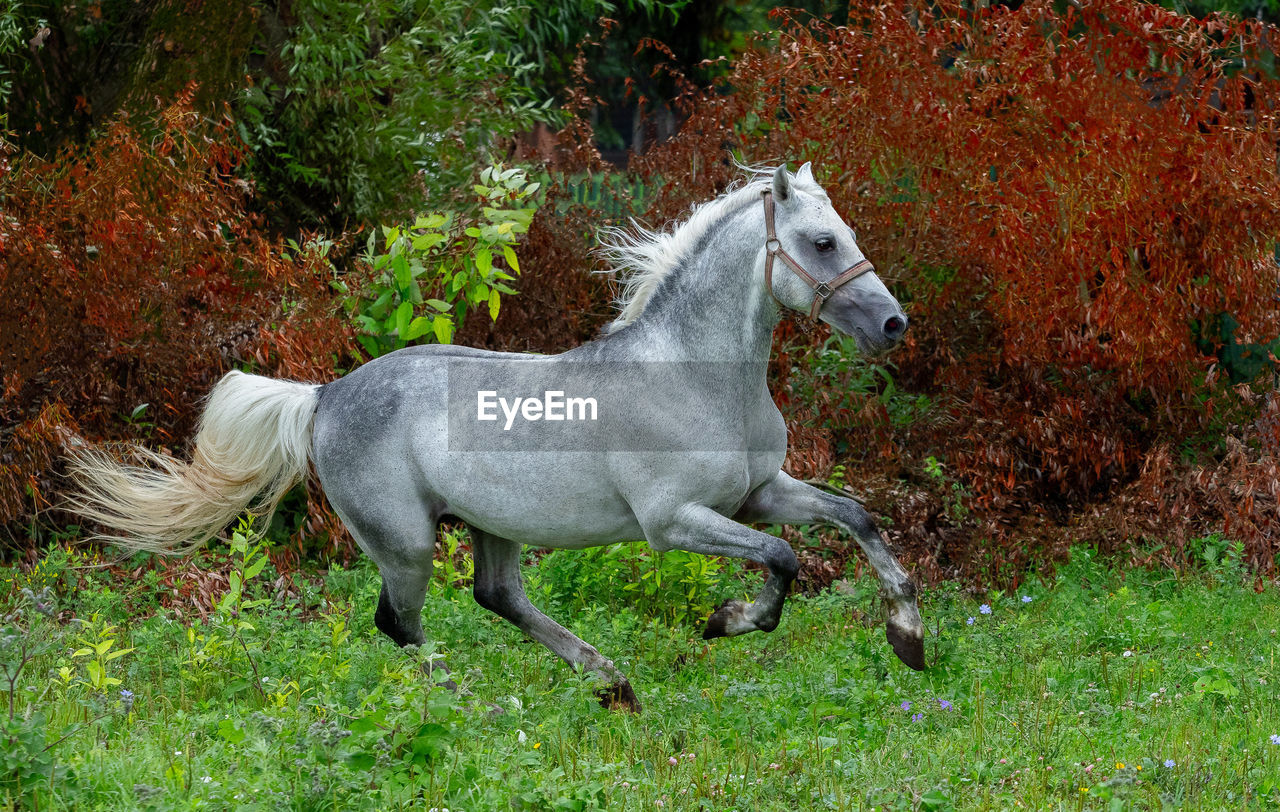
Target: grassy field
1093, 690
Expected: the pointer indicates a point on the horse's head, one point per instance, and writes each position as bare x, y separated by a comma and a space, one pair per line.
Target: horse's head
808, 239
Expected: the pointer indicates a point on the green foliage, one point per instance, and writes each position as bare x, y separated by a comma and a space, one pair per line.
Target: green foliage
381, 105
1222, 558
547, 39
248, 560
25, 758
97, 651
1077, 698
676, 586
1243, 361
954, 494
217, 650
11, 40
1268, 10
456, 568
425, 277
838, 367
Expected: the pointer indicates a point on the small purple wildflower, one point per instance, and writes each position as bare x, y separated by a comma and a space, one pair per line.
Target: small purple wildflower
906, 706
916, 717
1027, 599
126, 699
1168, 762
125, 693
1275, 738
985, 608
945, 704
969, 622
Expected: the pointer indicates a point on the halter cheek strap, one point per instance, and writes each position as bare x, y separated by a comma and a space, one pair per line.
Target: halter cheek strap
821, 290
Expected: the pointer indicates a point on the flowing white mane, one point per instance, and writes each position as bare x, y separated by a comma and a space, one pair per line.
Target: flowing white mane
643, 258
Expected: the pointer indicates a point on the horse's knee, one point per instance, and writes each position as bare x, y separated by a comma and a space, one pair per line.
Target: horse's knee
858, 519
497, 597
782, 562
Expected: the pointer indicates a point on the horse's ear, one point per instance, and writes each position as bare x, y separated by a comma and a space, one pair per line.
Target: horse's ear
805, 174
782, 184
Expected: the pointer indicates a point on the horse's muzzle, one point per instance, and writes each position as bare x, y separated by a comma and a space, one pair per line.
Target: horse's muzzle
895, 327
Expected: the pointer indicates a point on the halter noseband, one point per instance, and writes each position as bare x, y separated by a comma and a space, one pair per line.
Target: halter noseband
821, 290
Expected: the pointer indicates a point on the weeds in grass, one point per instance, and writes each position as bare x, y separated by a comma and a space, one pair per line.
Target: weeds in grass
1104, 689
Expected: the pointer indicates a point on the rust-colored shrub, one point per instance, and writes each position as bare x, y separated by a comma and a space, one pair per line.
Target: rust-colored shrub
132, 275
1070, 201
1071, 204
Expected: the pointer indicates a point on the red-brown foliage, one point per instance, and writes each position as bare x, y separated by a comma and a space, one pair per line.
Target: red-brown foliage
133, 275
1061, 198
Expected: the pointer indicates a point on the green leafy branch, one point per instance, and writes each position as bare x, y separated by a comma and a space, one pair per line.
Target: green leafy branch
425, 277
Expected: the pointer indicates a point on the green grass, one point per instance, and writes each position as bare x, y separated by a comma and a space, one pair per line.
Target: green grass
312, 709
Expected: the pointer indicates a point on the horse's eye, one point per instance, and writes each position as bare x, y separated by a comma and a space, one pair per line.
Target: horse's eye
824, 244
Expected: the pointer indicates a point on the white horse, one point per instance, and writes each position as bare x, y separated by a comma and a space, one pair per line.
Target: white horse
683, 448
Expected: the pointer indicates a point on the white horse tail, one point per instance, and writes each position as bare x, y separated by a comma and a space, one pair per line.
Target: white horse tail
251, 447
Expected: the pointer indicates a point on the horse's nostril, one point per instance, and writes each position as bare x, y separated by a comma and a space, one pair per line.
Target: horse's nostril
895, 326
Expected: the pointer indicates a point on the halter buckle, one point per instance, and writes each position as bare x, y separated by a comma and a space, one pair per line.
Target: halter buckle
772, 245
823, 291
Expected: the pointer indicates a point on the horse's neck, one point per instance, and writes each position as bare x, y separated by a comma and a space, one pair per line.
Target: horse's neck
714, 307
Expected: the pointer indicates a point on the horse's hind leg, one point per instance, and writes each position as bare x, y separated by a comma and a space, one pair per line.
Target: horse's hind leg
500, 589
399, 613
401, 541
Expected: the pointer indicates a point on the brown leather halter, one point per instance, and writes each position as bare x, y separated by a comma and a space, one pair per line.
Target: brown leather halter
821, 290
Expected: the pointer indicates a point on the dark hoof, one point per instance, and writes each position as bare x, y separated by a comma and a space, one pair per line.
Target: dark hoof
909, 648
718, 623
619, 696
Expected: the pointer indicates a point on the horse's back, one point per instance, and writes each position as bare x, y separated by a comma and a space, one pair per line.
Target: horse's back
381, 441
393, 432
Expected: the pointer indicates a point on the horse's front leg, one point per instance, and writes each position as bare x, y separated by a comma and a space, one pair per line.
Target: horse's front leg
783, 500
700, 529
